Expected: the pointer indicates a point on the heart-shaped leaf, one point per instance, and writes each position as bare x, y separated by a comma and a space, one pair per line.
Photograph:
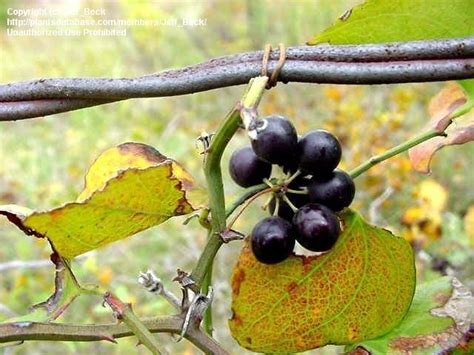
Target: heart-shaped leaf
378, 21
361, 289
128, 189
437, 321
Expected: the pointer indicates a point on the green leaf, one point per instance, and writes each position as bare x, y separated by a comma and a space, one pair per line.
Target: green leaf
128, 189
379, 21
438, 319
361, 289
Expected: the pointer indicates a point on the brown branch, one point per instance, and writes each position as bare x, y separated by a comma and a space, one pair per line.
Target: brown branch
343, 64
26, 331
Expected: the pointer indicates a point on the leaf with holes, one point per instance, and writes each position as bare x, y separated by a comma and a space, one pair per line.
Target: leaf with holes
380, 21
438, 320
359, 290
451, 102
128, 189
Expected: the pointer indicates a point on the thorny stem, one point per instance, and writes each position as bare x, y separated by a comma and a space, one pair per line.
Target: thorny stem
123, 312
212, 171
394, 151
26, 331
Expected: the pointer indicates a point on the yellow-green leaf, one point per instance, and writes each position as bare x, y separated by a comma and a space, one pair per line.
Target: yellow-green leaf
116, 159
378, 21
361, 289
128, 189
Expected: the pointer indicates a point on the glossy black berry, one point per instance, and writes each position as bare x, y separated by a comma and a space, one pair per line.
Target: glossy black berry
319, 152
335, 191
298, 200
272, 240
317, 227
275, 140
246, 169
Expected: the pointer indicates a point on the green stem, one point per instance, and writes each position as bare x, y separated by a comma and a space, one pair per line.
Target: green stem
292, 177
212, 171
289, 203
246, 195
124, 313
245, 205
206, 283
394, 151
298, 192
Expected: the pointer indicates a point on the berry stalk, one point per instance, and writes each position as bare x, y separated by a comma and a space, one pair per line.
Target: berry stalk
359, 170
248, 194
246, 204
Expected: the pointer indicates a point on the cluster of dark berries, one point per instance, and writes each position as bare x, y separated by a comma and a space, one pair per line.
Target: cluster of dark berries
304, 203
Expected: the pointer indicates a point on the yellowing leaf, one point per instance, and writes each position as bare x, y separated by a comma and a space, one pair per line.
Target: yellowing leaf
114, 160
130, 188
376, 21
442, 109
443, 104
361, 289
461, 133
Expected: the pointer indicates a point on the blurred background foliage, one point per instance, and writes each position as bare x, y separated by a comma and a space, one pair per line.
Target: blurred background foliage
43, 161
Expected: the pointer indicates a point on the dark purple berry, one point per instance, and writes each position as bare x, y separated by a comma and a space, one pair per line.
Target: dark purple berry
317, 227
246, 169
272, 240
335, 190
319, 152
274, 140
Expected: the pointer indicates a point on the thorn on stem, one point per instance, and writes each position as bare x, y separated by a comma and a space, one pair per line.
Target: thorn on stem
117, 306
195, 312
229, 235
186, 281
